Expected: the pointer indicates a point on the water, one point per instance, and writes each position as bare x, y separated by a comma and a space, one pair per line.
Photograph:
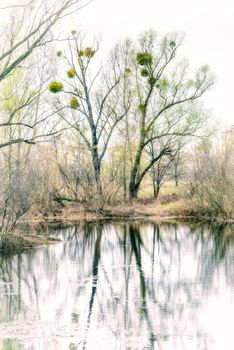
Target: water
121, 286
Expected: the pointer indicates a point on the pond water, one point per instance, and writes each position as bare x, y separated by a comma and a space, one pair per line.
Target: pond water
165, 286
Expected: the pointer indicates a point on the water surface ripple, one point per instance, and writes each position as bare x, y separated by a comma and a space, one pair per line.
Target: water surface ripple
120, 286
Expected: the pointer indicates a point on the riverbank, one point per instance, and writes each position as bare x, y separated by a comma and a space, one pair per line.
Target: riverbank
23, 239
18, 242
173, 202
173, 208
170, 206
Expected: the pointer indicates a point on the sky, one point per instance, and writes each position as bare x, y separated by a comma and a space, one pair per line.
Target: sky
208, 26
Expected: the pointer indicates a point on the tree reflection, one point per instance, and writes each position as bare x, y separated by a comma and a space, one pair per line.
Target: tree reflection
136, 285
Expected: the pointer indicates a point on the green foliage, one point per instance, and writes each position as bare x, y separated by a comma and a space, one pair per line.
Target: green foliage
144, 72
205, 145
71, 73
144, 58
172, 43
163, 84
15, 91
55, 86
152, 81
81, 53
89, 52
141, 108
74, 103
205, 68
127, 71
59, 53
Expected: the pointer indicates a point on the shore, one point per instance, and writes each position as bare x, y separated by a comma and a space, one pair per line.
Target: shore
173, 208
20, 242
133, 210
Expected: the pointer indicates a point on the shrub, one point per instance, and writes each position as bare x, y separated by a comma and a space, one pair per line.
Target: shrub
212, 183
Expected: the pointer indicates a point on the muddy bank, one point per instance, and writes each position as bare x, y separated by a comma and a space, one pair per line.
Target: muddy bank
142, 210
135, 210
18, 243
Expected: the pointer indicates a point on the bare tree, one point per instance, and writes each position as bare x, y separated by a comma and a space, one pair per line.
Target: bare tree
160, 168
31, 27
97, 103
212, 183
164, 97
178, 162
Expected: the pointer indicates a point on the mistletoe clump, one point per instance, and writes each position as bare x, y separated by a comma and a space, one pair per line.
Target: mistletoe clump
89, 52
127, 71
55, 86
163, 84
74, 103
71, 73
59, 53
152, 81
172, 43
144, 72
81, 53
141, 108
144, 58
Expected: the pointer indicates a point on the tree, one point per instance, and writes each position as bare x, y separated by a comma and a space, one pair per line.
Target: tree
212, 183
178, 163
97, 103
22, 52
31, 27
160, 168
165, 98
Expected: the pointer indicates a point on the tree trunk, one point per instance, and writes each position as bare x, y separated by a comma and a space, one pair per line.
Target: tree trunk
134, 184
125, 188
158, 186
154, 189
97, 170
154, 179
133, 190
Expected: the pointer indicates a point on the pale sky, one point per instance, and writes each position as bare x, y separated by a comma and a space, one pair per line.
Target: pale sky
208, 26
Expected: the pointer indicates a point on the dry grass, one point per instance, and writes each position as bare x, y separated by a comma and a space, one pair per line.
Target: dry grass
170, 203
15, 243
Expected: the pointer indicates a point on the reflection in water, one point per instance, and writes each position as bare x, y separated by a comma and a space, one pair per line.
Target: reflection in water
122, 286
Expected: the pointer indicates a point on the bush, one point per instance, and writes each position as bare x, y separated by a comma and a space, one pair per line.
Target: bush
212, 184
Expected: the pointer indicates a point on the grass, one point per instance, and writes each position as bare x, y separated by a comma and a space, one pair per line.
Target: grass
168, 188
